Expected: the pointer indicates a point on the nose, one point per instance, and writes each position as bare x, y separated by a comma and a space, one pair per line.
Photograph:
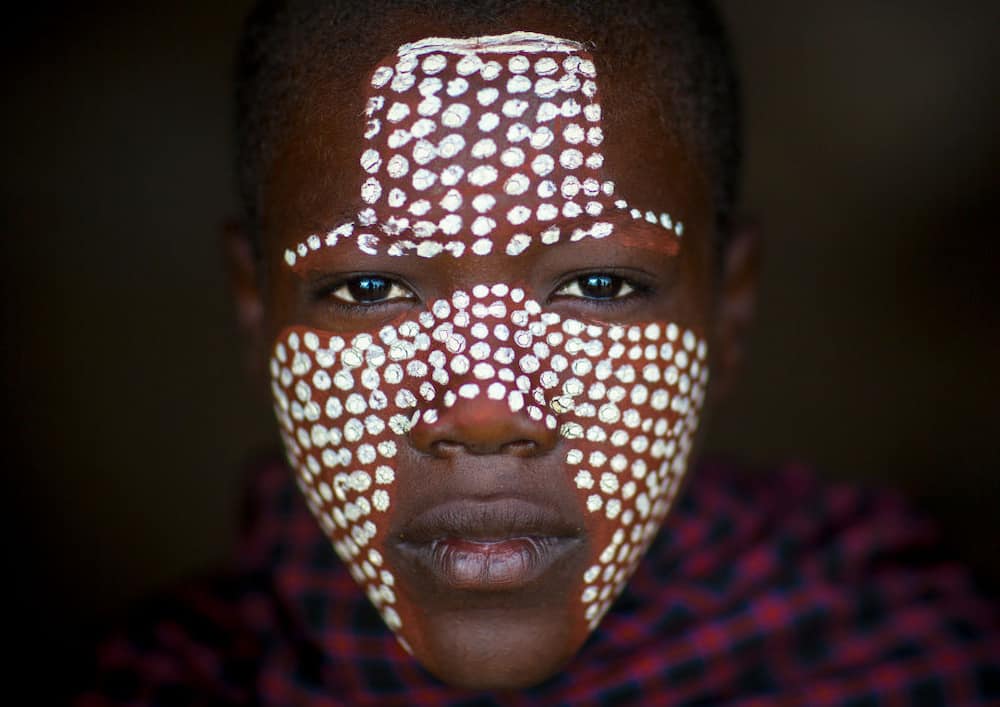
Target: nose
483, 426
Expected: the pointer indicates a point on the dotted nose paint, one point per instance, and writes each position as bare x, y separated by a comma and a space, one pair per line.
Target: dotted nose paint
624, 399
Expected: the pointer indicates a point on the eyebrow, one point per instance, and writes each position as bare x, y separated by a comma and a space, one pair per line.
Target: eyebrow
630, 227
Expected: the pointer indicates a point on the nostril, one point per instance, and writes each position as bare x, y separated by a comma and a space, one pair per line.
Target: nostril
520, 448
445, 448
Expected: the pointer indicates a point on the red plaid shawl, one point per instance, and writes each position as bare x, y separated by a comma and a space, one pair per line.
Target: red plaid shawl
760, 590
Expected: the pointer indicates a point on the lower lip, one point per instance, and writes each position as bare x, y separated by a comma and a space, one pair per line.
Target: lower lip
491, 565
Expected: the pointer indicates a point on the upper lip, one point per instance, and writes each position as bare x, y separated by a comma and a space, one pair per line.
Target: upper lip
485, 521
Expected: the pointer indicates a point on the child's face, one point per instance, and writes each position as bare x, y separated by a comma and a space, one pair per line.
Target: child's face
489, 295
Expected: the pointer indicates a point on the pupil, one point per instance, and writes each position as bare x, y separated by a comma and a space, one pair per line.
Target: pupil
369, 289
600, 286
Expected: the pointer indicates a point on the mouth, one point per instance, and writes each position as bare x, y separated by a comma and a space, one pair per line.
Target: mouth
487, 546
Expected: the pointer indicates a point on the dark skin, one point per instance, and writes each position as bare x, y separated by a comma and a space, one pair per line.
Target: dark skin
514, 640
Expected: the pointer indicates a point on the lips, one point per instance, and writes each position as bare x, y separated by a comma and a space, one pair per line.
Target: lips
495, 545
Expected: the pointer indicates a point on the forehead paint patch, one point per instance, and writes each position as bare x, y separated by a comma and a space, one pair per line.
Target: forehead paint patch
517, 115
625, 401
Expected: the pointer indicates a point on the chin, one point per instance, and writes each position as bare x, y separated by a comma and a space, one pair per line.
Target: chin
498, 650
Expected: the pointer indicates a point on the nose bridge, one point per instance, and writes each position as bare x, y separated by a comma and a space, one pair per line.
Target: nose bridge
491, 392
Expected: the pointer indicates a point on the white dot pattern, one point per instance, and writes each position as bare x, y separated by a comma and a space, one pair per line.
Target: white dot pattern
531, 118
625, 400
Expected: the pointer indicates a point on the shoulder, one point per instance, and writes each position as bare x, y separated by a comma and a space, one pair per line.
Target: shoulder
198, 644
823, 592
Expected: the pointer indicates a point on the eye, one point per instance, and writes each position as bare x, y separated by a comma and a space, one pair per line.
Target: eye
598, 286
370, 289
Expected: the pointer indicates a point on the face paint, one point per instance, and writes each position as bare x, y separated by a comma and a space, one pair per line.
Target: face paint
461, 134
515, 120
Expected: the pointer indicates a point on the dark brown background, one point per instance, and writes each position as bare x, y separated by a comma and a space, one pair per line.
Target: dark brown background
873, 149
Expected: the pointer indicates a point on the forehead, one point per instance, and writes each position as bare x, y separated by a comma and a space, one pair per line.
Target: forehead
492, 144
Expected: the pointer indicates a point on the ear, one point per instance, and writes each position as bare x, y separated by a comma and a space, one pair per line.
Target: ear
736, 303
245, 286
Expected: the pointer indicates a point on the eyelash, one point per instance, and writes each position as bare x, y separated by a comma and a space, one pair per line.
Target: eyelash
636, 289
328, 294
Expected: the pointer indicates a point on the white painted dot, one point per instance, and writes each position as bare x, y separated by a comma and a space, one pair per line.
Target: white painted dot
423, 152
584, 480
429, 106
487, 96
482, 246
570, 108
451, 201
483, 225
455, 115
484, 148
397, 197
371, 161
569, 83
541, 138
543, 165
574, 134
512, 157
518, 64
546, 189
518, 132
451, 224
514, 108
468, 64
519, 214
546, 88
399, 138
490, 70
488, 122
423, 179
609, 483
381, 76
397, 112
518, 243
546, 66
469, 391
547, 212
450, 145
546, 112
518, 84
483, 175
452, 175
456, 87
423, 127
419, 207
571, 159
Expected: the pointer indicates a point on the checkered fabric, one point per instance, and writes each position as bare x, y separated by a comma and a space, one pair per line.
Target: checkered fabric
759, 590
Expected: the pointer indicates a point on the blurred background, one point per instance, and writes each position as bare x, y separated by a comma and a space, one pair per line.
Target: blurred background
873, 148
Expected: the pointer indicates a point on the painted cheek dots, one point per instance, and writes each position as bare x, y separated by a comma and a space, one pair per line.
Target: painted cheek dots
625, 400
465, 138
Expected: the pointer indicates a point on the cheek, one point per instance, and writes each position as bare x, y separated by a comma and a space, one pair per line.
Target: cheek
631, 408
625, 401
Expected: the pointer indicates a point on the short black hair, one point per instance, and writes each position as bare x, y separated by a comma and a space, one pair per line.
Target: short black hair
680, 47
